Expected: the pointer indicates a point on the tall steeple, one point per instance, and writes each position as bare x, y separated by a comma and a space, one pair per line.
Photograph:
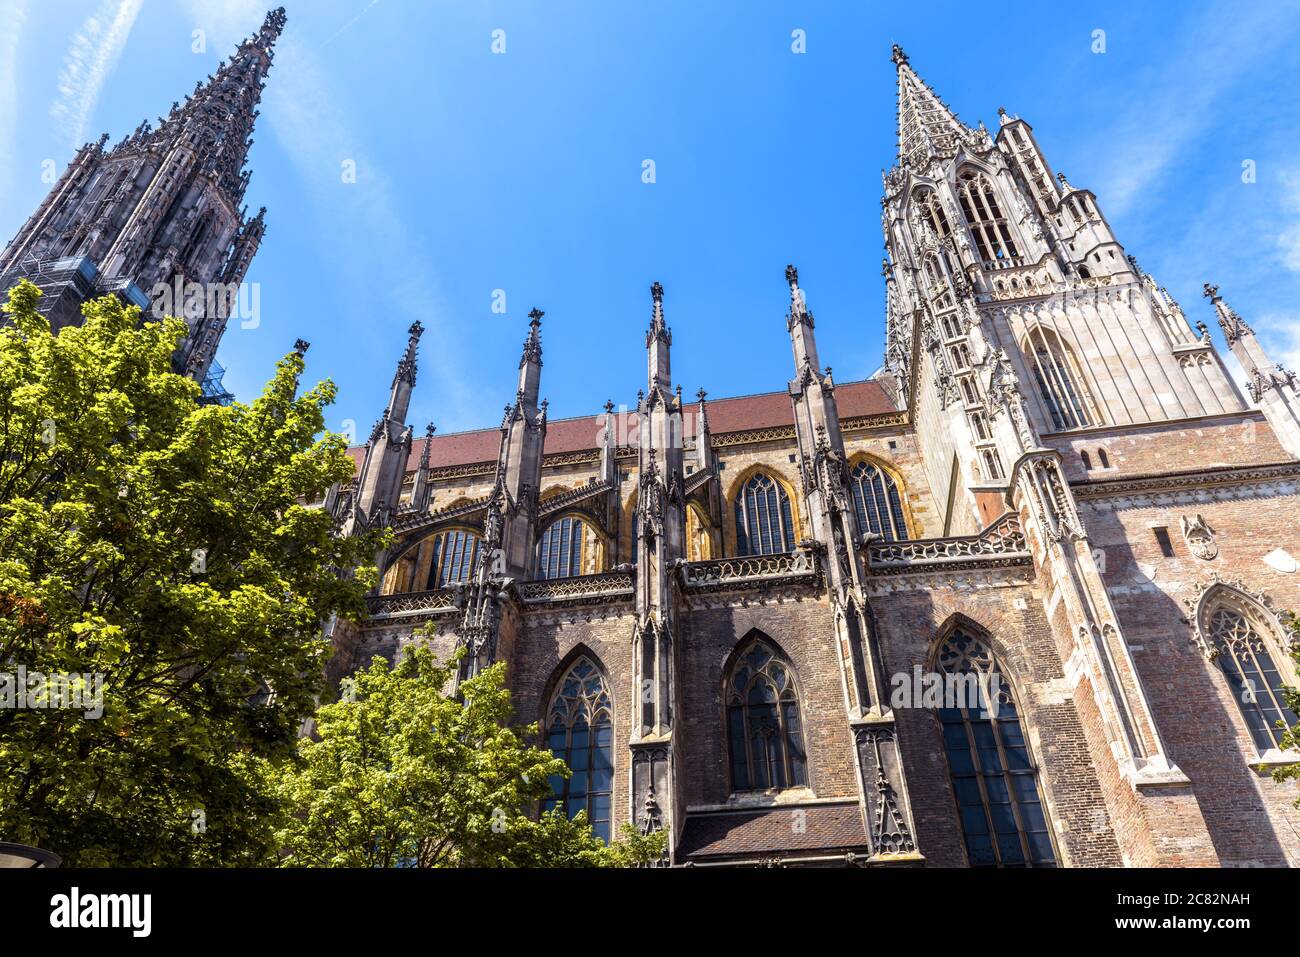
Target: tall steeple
160, 216
1274, 387
378, 486
926, 126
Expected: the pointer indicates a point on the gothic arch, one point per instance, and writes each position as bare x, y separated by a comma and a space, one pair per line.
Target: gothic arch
1241, 633
390, 577
1059, 379
593, 556
577, 722
888, 471
987, 220
762, 717
1002, 808
731, 538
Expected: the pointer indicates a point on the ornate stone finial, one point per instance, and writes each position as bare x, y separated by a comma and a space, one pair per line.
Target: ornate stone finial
301, 346
535, 315
792, 275
656, 292
897, 55
1002, 111
1210, 292
701, 395
273, 25
1202, 330
416, 329
429, 430
1064, 182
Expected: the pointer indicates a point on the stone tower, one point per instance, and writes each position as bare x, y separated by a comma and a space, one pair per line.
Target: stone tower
161, 210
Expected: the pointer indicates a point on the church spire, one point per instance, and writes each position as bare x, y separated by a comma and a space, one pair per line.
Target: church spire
530, 363
404, 378
658, 341
926, 127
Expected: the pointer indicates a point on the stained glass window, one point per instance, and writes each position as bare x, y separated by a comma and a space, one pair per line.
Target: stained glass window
580, 731
764, 518
764, 733
454, 552
877, 502
992, 771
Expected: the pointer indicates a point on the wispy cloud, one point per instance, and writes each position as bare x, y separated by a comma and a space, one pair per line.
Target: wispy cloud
1179, 100
363, 231
15, 17
91, 56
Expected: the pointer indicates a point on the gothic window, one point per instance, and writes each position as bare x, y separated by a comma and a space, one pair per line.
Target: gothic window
877, 502
1237, 633
454, 552
927, 201
993, 773
561, 551
988, 225
1056, 375
764, 734
580, 731
764, 517
992, 465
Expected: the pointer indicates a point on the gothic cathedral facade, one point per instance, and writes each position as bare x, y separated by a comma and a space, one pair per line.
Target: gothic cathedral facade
724, 614
1015, 601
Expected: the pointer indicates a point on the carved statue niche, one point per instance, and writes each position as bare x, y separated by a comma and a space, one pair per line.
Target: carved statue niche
1199, 537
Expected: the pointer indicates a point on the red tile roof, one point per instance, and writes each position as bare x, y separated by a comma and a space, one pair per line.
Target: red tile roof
739, 414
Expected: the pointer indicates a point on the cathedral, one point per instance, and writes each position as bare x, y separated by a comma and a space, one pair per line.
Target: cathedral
1018, 600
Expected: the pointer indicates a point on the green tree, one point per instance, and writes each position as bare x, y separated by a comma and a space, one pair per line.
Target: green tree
405, 774
161, 545
1291, 736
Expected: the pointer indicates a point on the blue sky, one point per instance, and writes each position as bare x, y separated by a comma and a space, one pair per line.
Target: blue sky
522, 171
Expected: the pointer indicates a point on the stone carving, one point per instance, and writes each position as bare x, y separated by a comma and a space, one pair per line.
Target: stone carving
1199, 537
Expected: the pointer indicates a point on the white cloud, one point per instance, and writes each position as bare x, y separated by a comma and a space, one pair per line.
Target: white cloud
91, 56
15, 17
1179, 100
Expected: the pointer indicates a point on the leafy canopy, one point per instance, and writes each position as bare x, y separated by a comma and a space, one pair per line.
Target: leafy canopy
158, 544
405, 774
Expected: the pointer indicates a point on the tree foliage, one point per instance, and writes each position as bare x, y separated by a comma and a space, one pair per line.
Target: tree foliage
405, 774
159, 544
1291, 736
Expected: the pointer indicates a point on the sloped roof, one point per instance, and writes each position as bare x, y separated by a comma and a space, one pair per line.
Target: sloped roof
813, 827
738, 414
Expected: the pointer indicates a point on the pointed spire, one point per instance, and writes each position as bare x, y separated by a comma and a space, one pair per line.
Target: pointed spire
220, 113
533, 343
1233, 326
406, 367
926, 127
658, 341
799, 311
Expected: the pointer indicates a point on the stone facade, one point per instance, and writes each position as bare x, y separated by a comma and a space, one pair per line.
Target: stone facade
1083, 496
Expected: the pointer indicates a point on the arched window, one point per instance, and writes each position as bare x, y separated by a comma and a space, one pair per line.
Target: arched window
580, 731
764, 736
1056, 374
764, 518
562, 549
988, 226
454, 552
1238, 634
927, 202
877, 502
993, 773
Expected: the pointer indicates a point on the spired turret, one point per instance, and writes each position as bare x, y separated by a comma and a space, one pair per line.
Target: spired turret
159, 218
